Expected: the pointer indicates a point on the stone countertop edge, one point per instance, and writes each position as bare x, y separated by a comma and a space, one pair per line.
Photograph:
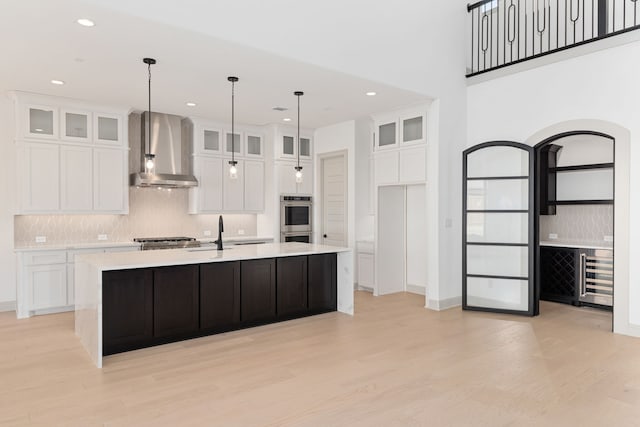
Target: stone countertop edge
146, 259
68, 246
577, 244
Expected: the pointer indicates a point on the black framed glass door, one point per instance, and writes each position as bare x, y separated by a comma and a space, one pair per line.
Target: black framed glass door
498, 228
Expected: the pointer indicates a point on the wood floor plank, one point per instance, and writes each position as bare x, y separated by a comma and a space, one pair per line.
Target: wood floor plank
392, 364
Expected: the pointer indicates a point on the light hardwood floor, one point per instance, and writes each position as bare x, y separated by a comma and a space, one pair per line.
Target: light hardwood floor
393, 364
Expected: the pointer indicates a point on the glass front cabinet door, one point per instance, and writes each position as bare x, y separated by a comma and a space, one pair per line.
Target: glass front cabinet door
76, 125
41, 122
254, 147
107, 128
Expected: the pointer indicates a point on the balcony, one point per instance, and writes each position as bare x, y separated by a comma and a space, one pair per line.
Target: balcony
507, 32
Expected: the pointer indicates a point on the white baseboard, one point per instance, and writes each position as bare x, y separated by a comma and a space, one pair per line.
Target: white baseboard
363, 288
444, 304
7, 306
416, 289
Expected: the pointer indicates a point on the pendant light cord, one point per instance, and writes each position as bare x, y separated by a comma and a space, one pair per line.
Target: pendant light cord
233, 135
298, 131
149, 113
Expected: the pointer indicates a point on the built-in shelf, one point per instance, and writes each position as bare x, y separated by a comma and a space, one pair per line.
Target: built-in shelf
581, 202
582, 167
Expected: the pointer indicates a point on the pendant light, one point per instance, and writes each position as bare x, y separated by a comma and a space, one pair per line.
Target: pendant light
233, 170
298, 168
149, 163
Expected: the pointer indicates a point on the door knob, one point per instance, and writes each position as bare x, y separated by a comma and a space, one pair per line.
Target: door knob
324, 235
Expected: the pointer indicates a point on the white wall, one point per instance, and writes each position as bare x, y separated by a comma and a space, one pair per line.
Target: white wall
364, 187
602, 86
415, 45
338, 137
416, 232
7, 204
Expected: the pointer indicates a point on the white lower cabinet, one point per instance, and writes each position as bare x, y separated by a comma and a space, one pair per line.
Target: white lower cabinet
46, 279
366, 267
47, 286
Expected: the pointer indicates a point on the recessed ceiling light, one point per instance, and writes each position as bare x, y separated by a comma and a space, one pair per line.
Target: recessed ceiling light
86, 22
371, 94
280, 108
39, 130
191, 104
286, 119
57, 82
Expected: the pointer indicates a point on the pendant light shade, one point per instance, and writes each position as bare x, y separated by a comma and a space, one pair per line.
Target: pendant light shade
233, 169
149, 159
298, 168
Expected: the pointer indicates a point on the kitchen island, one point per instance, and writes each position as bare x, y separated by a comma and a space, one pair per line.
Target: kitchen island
133, 300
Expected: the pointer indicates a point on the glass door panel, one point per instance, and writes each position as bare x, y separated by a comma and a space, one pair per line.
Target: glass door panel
497, 161
498, 194
490, 227
504, 294
498, 228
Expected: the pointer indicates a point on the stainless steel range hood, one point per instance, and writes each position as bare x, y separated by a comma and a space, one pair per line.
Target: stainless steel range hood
170, 142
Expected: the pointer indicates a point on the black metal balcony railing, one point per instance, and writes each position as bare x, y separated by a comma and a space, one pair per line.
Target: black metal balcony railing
505, 32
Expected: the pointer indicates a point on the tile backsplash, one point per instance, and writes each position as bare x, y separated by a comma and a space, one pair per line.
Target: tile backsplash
578, 223
152, 213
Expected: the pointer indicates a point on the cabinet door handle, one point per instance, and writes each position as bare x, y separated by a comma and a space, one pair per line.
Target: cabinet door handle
583, 284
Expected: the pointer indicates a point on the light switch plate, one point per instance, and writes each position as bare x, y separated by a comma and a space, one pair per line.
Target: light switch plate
41, 239
553, 236
207, 232
102, 237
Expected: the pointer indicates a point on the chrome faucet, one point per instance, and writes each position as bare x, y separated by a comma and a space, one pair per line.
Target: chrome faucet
220, 230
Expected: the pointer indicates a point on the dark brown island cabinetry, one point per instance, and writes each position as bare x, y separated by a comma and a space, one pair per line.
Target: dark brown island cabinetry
175, 300
258, 290
292, 286
127, 309
219, 295
323, 276
156, 305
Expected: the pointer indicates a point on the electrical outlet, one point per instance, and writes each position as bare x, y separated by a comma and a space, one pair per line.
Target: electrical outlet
553, 236
207, 232
241, 232
102, 237
41, 239
608, 238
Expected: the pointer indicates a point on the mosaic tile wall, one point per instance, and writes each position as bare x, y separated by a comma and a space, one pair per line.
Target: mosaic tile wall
151, 213
578, 222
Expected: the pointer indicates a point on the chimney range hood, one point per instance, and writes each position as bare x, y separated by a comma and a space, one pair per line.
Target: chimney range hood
170, 143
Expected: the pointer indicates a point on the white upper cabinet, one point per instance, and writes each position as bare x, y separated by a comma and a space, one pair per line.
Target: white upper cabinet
233, 189
306, 186
399, 128
233, 144
40, 121
108, 129
305, 148
288, 146
207, 137
387, 135
254, 146
413, 128
253, 186
110, 189
76, 125
39, 169
62, 167
207, 196
76, 190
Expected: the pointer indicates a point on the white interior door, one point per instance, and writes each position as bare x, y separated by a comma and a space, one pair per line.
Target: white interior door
334, 200
390, 240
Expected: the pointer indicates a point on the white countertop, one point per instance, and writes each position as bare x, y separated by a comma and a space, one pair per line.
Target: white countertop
237, 239
585, 244
144, 259
67, 246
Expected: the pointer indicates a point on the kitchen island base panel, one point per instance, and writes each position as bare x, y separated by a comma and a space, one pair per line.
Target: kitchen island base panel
89, 273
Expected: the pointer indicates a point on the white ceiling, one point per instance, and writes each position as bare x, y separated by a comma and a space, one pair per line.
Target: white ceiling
103, 64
